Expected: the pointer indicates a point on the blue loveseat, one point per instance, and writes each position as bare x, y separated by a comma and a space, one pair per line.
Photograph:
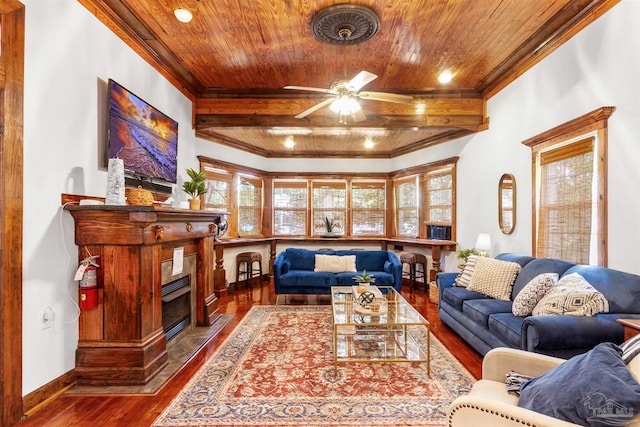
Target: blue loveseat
486, 323
293, 270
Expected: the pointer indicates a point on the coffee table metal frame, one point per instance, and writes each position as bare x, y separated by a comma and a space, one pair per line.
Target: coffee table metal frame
376, 337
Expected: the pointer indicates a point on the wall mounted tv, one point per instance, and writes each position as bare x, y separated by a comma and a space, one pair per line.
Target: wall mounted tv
142, 136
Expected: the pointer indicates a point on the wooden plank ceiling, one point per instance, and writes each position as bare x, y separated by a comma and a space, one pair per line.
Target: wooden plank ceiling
235, 57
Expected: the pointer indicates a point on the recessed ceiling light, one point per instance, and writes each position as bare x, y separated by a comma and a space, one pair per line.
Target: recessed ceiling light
288, 142
368, 143
445, 77
183, 15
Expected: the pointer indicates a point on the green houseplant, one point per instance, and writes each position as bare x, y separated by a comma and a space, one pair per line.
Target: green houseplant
330, 224
364, 278
463, 254
194, 187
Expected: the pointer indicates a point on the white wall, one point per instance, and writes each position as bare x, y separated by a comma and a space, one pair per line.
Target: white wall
70, 54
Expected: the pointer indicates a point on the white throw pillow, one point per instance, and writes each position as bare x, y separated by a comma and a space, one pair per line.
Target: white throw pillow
464, 278
573, 296
532, 293
494, 277
335, 263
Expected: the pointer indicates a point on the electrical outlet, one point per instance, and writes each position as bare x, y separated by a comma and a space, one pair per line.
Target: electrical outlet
47, 318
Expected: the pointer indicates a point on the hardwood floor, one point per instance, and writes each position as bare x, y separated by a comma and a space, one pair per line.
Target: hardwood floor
95, 411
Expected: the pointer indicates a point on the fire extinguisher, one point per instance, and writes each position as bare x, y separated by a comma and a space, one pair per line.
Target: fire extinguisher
88, 275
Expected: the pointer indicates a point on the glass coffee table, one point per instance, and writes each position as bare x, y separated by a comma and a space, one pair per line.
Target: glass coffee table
383, 331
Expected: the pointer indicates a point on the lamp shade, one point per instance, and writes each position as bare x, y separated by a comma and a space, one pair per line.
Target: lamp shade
483, 244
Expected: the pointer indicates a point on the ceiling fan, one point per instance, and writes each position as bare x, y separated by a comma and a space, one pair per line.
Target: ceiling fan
345, 93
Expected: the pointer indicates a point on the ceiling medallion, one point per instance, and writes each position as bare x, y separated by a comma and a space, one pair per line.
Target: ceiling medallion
345, 24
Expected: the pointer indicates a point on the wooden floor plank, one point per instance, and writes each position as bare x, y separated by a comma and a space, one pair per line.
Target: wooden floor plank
141, 411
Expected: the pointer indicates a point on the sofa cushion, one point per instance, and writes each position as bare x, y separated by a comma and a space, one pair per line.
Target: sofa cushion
536, 289
594, 388
373, 261
464, 278
494, 277
507, 327
621, 289
382, 278
480, 309
301, 259
335, 263
537, 267
307, 278
456, 296
572, 296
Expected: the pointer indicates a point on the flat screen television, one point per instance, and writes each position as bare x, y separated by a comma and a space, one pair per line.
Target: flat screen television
142, 136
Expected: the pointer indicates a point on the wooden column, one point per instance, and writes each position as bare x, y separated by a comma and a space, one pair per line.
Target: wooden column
122, 340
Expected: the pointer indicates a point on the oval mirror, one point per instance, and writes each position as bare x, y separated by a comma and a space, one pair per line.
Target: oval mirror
507, 203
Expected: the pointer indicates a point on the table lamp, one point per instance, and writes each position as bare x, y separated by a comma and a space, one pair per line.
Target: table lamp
483, 244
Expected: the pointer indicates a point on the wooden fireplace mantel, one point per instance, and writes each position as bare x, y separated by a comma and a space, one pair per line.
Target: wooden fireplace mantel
121, 341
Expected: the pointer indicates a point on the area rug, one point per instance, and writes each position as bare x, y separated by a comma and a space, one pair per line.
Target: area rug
276, 369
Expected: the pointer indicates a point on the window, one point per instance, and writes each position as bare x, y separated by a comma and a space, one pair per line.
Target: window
570, 190
368, 207
406, 200
329, 200
438, 205
289, 207
566, 202
218, 183
249, 206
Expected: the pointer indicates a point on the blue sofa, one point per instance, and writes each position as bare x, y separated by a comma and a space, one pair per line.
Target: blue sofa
486, 323
293, 270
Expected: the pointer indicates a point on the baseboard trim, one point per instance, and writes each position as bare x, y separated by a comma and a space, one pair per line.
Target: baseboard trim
42, 395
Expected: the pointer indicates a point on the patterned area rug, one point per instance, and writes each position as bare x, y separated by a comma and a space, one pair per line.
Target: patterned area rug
276, 369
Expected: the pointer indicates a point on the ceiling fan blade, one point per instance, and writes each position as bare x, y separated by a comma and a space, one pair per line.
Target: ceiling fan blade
360, 80
387, 97
312, 89
314, 108
358, 116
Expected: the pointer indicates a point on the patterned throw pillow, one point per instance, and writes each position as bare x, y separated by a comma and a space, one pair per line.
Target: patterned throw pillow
494, 277
630, 348
464, 278
532, 293
573, 296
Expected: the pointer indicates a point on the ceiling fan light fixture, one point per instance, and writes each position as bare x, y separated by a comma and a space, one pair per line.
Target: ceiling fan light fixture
183, 15
345, 105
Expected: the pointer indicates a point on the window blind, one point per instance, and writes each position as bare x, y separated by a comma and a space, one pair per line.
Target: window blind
566, 202
328, 200
290, 207
406, 200
249, 206
368, 208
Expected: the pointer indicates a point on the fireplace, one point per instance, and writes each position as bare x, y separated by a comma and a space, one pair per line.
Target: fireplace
176, 306
178, 297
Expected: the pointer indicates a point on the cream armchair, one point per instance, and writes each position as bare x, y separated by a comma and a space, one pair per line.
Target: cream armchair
489, 404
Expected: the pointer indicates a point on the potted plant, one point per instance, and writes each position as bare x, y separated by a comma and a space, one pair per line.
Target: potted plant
330, 225
463, 254
194, 188
364, 278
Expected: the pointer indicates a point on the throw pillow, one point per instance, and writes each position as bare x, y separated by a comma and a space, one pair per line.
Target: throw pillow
515, 381
494, 277
630, 348
464, 278
532, 293
335, 263
593, 388
573, 296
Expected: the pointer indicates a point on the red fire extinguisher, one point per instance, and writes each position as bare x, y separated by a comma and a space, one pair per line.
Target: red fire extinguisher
88, 292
